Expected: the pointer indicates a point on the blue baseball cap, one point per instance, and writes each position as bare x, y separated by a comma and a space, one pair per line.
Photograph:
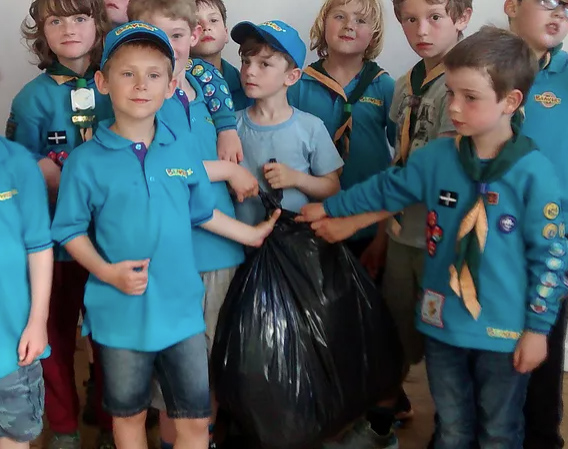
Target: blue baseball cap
279, 35
136, 32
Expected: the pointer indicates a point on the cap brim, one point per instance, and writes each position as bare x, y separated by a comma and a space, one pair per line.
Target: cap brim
146, 37
242, 31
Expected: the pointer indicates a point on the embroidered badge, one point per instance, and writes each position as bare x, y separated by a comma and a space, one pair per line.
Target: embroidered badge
432, 218
371, 100
189, 64
551, 211
218, 74
434, 233
134, 26
272, 25
548, 99
500, 333
448, 199
554, 264
539, 305
57, 137
208, 90
557, 249
206, 77
549, 279
229, 103
561, 230
224, 89
197, 70
179, 172
492, 198
5, 196
550, 231
507, 224
11, 127
543, 291
432, 306
214, 105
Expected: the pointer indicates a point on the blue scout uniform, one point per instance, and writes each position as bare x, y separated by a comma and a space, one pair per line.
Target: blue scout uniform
24, 229
142, 206
233, 78
212, 252
521, 271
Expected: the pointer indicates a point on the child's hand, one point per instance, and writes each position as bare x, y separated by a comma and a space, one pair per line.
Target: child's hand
280, 176
530, 352
311, 212
229, 147
373, 258
243, 183
32, 343
264, 229
334, 230
129, 276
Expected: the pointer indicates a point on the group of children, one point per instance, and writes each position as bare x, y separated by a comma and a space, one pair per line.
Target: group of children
153, 133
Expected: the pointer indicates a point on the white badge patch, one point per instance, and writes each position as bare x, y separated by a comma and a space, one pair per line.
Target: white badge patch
432, 306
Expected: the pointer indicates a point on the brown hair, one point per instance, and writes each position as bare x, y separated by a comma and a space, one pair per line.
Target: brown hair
218, 4
172, 9
143, 45
506, 58
254, 45
40, 10
372, 9
455, 8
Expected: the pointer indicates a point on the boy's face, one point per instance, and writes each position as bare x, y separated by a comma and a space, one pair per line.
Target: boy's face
540, 27
70, 38
347, 31
265, 74
472, 102
181, 38
215, 34
137, 81
116, 11
429, 29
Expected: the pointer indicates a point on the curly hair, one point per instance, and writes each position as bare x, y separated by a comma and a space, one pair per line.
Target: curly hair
40, 10
371, 9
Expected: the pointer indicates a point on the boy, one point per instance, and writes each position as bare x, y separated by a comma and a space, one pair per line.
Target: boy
284, 147
478, 189
212, 16
544, 25
144, 191
25, 285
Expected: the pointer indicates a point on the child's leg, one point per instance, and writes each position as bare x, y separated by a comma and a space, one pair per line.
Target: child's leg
544, 408
452, 388
184, 377
500, 393
61, 399
21, 407
127, 393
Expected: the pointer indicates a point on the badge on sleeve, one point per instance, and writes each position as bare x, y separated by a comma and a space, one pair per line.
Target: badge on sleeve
11, 127
432, 306
550, 231
551, 211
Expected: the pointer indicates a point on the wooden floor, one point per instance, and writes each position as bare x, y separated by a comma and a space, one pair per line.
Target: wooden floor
415, 435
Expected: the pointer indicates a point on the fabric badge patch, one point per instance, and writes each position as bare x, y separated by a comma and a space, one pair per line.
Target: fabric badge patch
551, 211
11, 127
189, 64
538, 305
492, 198
507, 224
432, 306
550, 231
57, 137
434, 233
214, 105
448, 199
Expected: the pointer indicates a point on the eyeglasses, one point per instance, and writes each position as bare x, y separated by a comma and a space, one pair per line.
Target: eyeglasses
553, 4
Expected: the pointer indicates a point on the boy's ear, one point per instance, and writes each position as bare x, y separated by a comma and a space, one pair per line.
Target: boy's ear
171, 89
293, 76
463, 21
196, 35
101, 82
510, 8
227, 35
513, 101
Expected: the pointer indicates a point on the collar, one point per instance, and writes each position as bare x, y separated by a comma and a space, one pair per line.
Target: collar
196, 87
558, 60
112, 141
230, 72
62, 74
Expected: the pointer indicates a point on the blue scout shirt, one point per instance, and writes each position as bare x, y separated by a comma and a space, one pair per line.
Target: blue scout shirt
233, 78
546, 110
212, 252
142, 208
24, 229
301, 142
522, 267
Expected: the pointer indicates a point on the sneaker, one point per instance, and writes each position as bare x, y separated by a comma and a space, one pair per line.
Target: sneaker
105, 440
65, 441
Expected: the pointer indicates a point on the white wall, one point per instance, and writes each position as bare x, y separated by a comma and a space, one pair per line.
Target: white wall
16, 68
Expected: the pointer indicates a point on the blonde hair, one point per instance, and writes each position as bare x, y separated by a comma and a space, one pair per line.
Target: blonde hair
172, 9
372, 9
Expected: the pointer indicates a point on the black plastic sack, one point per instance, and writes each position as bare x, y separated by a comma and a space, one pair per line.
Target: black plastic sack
304, 344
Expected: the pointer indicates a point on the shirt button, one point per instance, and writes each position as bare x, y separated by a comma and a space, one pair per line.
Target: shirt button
181, 93
138, 146
151, 179
193, 120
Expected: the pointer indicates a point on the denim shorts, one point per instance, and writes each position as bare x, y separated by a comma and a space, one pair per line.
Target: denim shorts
181, 370
21, 404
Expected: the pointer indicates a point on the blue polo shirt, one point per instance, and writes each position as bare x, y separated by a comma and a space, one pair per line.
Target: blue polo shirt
212, 252
24, 229
546, 111
233, 78
142, 206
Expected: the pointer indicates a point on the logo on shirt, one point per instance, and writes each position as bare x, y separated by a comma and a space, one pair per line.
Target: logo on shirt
134, 26
371, 100
548, 99
171, 172
5, 196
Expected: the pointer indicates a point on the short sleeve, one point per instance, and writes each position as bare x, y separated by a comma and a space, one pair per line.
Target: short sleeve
24, 125
202, 197
324, 157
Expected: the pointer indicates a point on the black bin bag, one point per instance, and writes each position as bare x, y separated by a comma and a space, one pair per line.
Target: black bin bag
304, 343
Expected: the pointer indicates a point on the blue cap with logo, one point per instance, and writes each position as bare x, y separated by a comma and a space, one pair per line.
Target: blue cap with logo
279, 35
136, 32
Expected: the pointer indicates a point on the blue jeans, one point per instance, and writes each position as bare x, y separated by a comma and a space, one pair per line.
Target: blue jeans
182, 370
478, 395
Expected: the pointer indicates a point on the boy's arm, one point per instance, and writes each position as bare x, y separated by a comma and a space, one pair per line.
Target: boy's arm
243, 183
280, 176
338, 229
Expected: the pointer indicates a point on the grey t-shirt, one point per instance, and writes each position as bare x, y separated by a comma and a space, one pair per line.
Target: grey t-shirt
431, 120
301, 142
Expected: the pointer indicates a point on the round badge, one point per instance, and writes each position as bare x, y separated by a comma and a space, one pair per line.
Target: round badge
557, 249
507, 224
428, 233
217, 73
550, 231
437, 234
214, 105
229, 103
544, 292
549, 279
206, 77
551, 211
208, 90
432, 248
432, 218
539, 306
189, 64
197, 70
562, 230
224, 89
554, 264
